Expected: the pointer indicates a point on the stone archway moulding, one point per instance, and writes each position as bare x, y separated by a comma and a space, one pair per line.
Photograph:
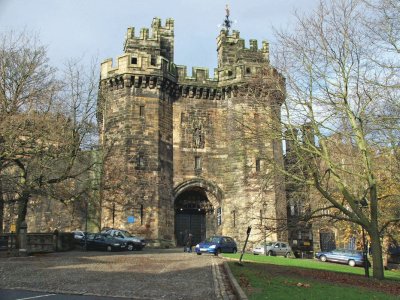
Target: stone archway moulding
196, 183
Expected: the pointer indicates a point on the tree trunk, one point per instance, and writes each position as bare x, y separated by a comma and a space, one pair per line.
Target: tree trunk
1, 201
377, 266
22, 208
1, 208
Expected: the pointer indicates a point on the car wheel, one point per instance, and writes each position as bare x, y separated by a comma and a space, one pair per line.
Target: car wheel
270, 253
234, 250
218, 251
323, 258
288, 254
352, 263
109, 248
130, 247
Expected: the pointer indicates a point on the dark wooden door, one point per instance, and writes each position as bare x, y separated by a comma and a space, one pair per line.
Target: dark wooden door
190, 222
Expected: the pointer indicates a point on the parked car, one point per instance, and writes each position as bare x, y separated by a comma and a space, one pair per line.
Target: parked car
102, 241
216, 245
133, 242
343, 256
273, 249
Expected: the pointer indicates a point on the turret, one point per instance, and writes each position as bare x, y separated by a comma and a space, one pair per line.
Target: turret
159, 43
231, 50
235, 60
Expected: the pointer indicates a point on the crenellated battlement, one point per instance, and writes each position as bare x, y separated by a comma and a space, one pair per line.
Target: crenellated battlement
159, 41
231, 50
200, 75
156, 31
150, 55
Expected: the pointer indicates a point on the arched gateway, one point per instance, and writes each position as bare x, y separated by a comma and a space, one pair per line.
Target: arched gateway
195, 204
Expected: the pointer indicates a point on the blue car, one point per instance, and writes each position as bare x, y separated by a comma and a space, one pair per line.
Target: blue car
343, 256
216, 245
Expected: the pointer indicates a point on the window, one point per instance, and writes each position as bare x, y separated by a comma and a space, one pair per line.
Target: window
134, 60
248, 70
197, 163
219, 216
230, 73
258, 164
140, 161
141, 111
292, 210
153, 60
234, 218
141, 214
182, 118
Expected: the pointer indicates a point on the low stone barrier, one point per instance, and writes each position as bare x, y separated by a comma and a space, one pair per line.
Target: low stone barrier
37, 242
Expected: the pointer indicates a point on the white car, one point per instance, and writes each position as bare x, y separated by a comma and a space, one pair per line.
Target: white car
78, 234
273, 249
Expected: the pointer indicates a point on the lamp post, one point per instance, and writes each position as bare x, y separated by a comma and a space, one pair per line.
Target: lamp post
245, 243
365, 256
86, 223
364, 204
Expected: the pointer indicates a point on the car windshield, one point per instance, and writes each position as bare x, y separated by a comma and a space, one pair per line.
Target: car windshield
127, 234
212, 239
269, 244
90, 236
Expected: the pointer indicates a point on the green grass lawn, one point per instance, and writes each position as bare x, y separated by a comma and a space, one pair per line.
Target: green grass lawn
310, 264
262, 283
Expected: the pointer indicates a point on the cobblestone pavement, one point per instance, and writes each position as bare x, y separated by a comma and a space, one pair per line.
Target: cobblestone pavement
147, 274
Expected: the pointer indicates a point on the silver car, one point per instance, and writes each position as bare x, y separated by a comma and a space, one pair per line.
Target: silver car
273, 249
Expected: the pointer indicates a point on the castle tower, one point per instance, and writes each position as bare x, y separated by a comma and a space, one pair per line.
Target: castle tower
176, 154
135, 112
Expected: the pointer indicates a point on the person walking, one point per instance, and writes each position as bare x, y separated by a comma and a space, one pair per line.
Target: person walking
184, 237
189, 243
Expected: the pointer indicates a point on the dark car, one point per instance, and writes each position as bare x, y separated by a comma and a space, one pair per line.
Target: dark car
343, 256
133, 242
216, 245
101, 241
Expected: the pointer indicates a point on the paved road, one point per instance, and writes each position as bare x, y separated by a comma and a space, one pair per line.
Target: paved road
147, 274
29, 295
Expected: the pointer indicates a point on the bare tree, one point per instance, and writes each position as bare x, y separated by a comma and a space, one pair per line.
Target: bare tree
44, 124
27, 84
334, 86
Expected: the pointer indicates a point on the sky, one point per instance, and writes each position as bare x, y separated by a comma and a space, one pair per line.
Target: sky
87, 29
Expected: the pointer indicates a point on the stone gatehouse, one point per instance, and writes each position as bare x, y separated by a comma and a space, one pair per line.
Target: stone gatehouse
178, 153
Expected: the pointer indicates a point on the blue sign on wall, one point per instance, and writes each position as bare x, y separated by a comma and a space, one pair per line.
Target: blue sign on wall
131, 219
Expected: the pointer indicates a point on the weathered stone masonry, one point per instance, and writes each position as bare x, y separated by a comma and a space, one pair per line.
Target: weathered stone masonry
175, 157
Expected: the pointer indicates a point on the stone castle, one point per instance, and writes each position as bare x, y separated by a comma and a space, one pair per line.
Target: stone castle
178, 154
